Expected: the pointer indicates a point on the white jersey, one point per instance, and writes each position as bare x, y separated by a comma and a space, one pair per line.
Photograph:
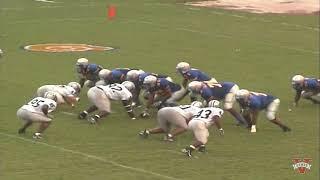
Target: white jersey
36, 104
116, 92
63, 90
187, 111
206, 114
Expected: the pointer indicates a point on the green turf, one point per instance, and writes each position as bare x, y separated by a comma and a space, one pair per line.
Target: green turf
258, 52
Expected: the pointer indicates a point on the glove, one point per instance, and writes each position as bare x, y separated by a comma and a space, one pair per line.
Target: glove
221, 132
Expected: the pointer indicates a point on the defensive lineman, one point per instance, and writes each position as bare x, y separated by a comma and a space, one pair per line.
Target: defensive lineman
87, 73
308, 88
220, 91
190, 74
37, 111
253, 102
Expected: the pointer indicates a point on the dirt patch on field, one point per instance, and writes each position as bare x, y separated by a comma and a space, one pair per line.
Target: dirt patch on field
265, 6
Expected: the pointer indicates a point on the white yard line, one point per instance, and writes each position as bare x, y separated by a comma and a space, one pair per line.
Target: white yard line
45, 1
90, 156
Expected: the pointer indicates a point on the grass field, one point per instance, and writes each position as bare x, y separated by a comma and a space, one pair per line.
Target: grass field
258, 52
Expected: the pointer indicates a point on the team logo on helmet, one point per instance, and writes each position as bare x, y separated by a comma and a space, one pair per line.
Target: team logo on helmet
65, 48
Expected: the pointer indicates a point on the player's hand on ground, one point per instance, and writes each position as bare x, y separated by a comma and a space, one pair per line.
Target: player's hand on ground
221, 132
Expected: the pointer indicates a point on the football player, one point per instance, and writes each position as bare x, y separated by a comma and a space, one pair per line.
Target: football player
200, 123
37, 111
100, 97
117, 75
163, 91
308, 88
87, 73
133, 76
190, 74
65, 93
220, 91
173, 116
252, 103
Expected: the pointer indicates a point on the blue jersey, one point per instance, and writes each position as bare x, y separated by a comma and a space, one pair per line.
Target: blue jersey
92, 72
218, 92
165, 85
309, 84
196, 75
259, 101
124, 70
117, 76
144, 75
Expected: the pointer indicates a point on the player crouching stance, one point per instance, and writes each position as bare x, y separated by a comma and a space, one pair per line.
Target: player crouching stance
173, 116
65, 93
37, 110
253, 102
308, 88
200, 123
161, 93
100, 97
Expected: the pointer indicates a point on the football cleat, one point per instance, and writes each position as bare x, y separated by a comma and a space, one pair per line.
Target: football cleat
144, 134
82, 115
37, 136
202, 148
187, 151
93, 119
168, 138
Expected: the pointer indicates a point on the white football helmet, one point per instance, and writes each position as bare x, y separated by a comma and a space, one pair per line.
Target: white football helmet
242, 94
197, 104
297, 79
133, 74
214, 103
129, 85
183, 67
195, 86
82, 62
104, 73
76, 86
51, 95
150, 81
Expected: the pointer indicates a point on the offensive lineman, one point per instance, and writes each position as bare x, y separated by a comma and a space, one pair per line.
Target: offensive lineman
100, 97
37, 111
200, 123
177, 116
65, 93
